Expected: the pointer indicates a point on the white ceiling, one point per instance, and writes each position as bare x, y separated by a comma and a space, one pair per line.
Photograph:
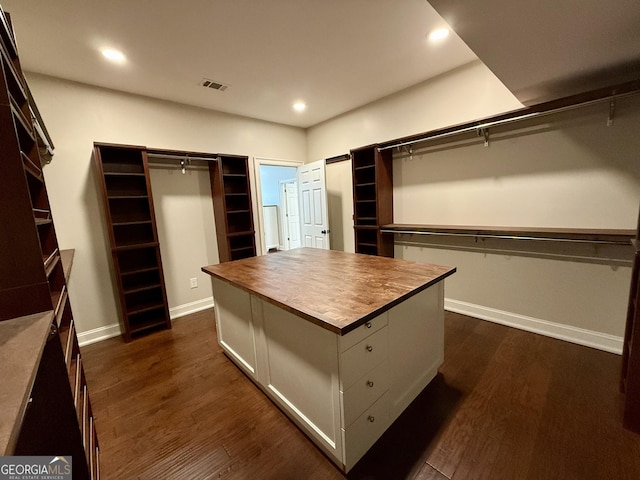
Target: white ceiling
335, 55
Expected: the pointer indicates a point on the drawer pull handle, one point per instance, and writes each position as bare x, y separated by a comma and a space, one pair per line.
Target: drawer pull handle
368, 324
371, 418
369, 348
369, 384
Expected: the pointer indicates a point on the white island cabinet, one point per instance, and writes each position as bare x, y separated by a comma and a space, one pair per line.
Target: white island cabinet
343, 352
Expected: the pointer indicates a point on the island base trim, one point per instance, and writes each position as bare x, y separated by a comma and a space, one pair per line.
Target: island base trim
300, 416
238, 360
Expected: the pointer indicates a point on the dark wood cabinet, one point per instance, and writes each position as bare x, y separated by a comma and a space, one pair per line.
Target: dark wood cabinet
372, 200
231, 191
135, 249
630, 381
33, 282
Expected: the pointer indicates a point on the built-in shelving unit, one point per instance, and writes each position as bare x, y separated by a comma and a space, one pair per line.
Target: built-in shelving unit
231, 191
55, 413
630, 378
135, 250
372, 200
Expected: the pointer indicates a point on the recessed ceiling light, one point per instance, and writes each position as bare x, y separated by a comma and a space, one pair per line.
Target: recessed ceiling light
115, 56
438, 34
299, 106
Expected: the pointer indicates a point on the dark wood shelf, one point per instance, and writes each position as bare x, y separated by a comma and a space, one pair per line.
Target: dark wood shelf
144, 308
630, 372
128, 203
34, 280
231, 192
147, 325
136, 222
143, 288
14, 86
595, 235
23, 122
372, 200
126, 197
31, 167
124, 174
134, 246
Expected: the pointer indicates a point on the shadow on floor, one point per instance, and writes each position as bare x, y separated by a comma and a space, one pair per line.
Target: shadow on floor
403, 449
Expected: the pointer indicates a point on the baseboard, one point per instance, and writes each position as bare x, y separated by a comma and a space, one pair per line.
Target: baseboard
191, 307
110, 331
98, 334
581, 336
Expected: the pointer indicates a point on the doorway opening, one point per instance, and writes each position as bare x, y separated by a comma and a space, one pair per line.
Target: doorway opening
277, 209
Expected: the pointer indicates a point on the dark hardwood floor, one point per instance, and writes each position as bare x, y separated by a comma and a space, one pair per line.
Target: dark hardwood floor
507, 404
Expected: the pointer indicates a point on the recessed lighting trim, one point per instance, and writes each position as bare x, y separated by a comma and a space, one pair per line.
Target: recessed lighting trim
299, 106
438, 34
112, 55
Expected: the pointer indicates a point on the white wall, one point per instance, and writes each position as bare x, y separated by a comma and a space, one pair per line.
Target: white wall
574, 173
464, 94
568, 170
187, 234
76, 115
340, 206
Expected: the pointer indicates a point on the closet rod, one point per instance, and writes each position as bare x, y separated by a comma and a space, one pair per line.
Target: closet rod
181, 157
506, 237
492, 123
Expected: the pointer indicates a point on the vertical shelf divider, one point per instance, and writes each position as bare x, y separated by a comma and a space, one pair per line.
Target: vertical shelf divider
35, 273
231, 192
372, 200
133, 236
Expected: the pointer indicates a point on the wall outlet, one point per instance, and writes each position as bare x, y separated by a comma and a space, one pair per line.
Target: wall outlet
193, 282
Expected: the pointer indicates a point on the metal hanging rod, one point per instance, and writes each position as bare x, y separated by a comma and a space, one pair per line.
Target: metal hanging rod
507, 237
181, 157
504, 251
480, 128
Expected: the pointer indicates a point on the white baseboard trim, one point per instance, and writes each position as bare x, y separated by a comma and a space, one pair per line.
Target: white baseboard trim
98, 334
581, 336
113, 330
191, 307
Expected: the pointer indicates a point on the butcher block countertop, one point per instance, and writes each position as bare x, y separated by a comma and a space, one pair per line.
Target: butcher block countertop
336, 290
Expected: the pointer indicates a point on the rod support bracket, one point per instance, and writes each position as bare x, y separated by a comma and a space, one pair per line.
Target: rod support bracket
484, 132
612, 112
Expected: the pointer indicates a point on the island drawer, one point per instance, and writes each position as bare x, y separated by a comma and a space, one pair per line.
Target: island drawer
364, 432
362, 394
362, 357
363, 331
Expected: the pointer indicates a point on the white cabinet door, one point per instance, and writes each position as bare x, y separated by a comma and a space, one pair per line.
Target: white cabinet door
234, 324
301, 372
416, 345
313, 205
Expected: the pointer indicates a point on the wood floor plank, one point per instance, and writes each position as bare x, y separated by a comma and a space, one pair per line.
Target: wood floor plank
506, 404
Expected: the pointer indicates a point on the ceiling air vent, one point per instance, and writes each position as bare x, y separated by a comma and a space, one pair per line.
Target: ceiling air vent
213, 84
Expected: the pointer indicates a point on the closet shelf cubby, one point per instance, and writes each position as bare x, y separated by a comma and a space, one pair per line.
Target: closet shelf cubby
372, 200
128, 204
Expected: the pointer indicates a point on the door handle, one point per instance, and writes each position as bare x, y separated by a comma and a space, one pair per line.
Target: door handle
324, 232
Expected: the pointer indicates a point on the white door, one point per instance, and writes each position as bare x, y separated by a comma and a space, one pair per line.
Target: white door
290, 215
313, 205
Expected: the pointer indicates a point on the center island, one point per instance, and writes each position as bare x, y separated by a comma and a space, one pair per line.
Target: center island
341, 342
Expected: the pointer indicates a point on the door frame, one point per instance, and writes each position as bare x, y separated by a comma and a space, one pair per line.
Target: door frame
257, 189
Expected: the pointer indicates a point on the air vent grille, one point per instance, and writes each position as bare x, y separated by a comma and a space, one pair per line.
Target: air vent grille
212, 84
